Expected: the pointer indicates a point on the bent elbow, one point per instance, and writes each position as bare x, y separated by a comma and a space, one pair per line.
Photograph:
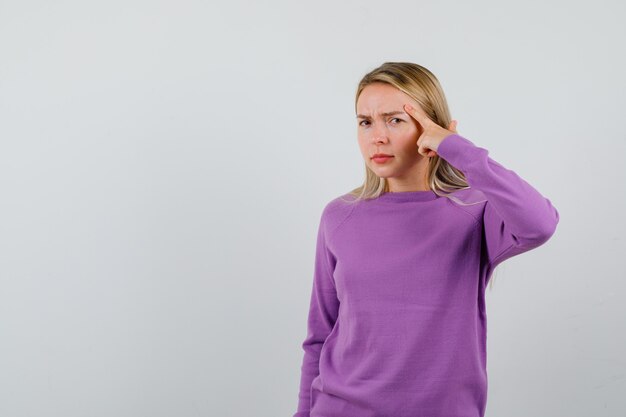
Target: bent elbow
541, 234
549, 227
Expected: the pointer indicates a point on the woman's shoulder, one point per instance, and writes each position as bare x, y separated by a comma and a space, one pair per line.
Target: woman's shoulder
469, 201
339, 209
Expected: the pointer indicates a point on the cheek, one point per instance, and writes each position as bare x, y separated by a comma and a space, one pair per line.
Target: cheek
408, 144
361, 141
409, 135
410, 129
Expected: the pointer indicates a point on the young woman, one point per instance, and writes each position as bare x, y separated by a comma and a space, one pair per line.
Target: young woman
397, 324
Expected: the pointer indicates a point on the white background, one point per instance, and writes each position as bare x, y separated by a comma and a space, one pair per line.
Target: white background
163, 167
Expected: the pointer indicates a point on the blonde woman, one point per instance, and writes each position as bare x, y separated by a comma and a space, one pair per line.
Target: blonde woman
397, 322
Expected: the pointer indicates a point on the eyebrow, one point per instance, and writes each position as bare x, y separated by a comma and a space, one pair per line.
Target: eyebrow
389, 113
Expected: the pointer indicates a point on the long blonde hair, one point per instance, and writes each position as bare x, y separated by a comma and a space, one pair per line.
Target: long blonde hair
420, 84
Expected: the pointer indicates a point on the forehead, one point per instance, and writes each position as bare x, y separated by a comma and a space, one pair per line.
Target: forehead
379, 98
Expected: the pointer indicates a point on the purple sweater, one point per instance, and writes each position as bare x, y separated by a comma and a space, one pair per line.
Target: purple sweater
397, 323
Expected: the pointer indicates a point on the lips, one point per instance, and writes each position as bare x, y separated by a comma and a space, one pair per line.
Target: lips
381, 158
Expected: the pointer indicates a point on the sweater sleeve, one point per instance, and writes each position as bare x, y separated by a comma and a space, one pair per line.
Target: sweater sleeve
323, 311
516, 218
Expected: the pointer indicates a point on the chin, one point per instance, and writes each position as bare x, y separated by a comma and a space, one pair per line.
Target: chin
382, 173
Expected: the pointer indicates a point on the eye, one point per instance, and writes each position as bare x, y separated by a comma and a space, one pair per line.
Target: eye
395, 118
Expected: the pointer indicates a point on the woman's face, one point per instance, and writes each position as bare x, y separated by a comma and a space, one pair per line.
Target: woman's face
384, 127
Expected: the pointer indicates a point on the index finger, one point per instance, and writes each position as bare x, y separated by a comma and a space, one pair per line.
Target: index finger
417, 112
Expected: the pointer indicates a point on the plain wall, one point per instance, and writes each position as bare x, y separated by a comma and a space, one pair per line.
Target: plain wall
163, 167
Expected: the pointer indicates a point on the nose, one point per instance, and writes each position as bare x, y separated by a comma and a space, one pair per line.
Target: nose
379, 134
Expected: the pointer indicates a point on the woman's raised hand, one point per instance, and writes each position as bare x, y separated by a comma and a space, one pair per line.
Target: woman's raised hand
432, 135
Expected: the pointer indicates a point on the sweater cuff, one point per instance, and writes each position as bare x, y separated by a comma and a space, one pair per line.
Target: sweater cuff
460, 152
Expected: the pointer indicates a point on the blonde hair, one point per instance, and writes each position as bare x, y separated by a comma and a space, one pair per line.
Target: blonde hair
420, 84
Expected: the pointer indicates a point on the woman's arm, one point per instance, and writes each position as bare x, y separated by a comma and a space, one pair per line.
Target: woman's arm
517, 218
323, 311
